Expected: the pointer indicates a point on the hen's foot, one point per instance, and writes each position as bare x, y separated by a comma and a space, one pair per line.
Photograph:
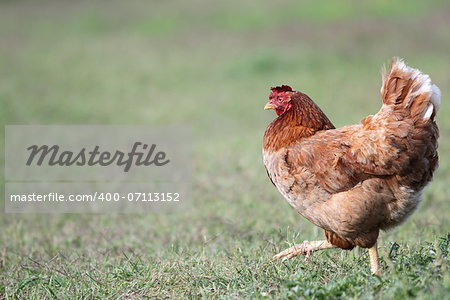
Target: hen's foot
305, 248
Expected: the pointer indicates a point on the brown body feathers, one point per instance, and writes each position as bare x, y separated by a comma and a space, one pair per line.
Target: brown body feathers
358, 179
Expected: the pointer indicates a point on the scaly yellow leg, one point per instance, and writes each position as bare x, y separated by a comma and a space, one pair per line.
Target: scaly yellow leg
305, 248
374, 264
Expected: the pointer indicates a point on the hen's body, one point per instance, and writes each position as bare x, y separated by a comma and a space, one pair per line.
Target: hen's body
358, 179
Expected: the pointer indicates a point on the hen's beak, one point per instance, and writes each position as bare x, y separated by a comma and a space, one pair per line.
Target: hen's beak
269, 106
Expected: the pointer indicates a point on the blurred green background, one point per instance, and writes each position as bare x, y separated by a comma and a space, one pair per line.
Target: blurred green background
210, 64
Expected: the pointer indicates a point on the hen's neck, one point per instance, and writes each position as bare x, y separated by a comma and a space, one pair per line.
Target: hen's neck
304, 119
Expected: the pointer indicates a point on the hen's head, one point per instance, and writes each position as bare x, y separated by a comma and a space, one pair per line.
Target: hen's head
279, 99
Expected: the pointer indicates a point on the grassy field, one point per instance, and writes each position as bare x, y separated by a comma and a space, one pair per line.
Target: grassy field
210, 65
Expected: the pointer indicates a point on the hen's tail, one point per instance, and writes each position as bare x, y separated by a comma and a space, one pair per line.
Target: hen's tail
410, 92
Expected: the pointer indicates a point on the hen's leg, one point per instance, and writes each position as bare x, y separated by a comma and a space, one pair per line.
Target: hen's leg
305, 248
374, 264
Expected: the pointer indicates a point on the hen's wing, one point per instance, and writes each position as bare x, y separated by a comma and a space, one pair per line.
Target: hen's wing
343, 157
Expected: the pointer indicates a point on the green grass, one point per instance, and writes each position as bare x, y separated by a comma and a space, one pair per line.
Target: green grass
210, 65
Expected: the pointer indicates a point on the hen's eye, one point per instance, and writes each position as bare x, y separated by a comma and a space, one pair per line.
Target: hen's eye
279, 99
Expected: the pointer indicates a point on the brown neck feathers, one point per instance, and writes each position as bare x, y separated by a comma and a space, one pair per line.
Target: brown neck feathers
304, 119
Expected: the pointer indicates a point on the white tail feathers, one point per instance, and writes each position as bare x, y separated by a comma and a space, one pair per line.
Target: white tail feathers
409, 90
435, 98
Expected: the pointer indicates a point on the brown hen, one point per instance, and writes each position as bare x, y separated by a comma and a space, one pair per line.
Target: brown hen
358, 179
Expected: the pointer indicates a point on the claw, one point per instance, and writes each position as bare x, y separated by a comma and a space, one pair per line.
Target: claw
307, 256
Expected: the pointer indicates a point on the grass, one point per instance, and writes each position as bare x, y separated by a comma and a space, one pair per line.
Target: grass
210, 66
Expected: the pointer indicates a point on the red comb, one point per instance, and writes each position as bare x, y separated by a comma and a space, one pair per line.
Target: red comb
283, 88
